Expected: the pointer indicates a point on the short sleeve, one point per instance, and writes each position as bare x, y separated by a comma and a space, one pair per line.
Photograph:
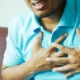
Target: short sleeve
12, 55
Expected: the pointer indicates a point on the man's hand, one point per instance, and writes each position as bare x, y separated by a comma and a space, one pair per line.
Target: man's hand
40, 54
71, 63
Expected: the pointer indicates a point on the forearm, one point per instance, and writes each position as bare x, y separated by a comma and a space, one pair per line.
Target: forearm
19, 72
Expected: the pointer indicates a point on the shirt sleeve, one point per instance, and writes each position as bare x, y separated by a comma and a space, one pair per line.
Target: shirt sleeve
12, 55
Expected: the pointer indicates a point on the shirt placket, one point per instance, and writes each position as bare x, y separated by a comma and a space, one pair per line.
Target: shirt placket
46, 40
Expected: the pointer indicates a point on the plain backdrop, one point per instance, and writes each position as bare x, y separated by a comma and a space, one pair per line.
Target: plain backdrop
10, 9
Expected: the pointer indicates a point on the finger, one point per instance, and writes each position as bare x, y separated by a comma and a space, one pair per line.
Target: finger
61, 38
78, 31
76, 48
57, 54
63, 48
72, 72
58, 60
66, 67
37, 42
50, 50
57, 41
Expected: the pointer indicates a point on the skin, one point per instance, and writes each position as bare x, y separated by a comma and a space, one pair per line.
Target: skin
36, 64
17, 72
72, 61
52, 13
50, 7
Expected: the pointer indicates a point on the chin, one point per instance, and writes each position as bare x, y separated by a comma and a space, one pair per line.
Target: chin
43, 15
40, 15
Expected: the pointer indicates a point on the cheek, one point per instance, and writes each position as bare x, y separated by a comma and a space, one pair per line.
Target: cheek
51, 5
55, 3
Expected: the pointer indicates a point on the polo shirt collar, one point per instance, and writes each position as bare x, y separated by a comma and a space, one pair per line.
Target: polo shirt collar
69, 14
68, 17
35, 23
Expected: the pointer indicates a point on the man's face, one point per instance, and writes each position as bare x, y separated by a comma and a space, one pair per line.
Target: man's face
43, 8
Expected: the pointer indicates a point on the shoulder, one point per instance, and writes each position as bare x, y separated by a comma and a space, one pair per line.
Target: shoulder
19, 22
19, 25
21, 19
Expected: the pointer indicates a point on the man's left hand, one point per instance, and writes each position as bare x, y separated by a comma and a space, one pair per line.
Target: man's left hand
71, 63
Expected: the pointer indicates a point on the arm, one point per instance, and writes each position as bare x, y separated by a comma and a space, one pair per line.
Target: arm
19, 72
36, 64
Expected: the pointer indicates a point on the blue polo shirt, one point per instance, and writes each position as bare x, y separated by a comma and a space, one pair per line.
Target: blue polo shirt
24, 29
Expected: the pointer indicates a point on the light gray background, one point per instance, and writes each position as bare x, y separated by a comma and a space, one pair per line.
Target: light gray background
9, 9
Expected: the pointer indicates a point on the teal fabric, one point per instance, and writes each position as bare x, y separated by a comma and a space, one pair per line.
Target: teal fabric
24, 29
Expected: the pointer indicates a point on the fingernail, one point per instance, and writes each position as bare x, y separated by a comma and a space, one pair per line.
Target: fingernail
65, 77
54, 70
65, 34
48, 59
78, 29
76, 47
54, 44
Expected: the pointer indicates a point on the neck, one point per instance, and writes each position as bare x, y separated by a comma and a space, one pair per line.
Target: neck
50, 22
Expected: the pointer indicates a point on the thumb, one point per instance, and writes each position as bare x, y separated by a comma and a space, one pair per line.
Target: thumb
37, 43
78, 31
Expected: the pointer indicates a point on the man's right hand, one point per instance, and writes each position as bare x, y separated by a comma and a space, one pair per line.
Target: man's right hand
38, 60
36, 64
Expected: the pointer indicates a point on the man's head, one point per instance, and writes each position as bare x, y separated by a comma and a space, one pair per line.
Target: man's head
43, 8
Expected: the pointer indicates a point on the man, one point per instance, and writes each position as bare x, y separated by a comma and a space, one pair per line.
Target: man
30, 52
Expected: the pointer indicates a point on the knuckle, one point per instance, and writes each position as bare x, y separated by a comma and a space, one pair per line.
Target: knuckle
69, 51
61, 61
79, 69
78, 65
73, 61
62, 48
74, 52
62, 54
69, 74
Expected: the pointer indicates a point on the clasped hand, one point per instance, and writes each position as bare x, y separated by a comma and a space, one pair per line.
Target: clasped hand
47, 58
39, 55
71, 63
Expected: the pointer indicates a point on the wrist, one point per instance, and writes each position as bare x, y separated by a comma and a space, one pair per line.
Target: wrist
29, 65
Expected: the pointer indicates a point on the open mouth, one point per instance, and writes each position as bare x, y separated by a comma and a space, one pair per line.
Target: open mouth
38, 4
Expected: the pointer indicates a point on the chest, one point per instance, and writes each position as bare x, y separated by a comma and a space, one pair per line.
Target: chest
71, 40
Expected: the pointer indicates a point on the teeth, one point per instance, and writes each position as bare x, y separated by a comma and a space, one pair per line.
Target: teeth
37, 4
